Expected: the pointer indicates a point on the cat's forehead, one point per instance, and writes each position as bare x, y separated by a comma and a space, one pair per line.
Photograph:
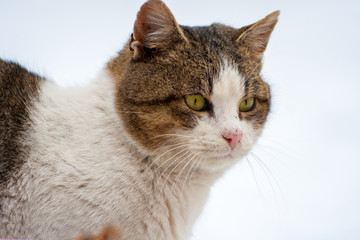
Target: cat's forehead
229, 83
214, 48
213, 42
189, 68
210, 48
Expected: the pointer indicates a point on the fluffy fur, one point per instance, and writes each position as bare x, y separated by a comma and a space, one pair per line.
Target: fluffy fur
127, 150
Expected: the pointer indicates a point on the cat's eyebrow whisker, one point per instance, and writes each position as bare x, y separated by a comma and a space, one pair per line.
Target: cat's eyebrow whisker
252, 71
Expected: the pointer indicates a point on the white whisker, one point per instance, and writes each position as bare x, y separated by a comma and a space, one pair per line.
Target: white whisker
172, 170
172, 157
271, 179
186, 177
176, 146
192, 174
254, 175
194, 155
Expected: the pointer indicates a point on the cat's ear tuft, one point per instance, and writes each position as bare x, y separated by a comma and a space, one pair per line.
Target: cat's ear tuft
155, 26
257, 35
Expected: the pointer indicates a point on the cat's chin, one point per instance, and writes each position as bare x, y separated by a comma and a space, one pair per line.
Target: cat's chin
220, 162
220, 155
223, 160
230, 154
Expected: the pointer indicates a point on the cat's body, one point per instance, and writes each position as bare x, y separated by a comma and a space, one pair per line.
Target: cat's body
90, 185
130, 149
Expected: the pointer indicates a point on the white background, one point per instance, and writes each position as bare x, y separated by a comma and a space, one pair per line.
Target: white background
309, 186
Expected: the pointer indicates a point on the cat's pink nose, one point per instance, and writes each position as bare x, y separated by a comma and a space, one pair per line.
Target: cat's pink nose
232, 138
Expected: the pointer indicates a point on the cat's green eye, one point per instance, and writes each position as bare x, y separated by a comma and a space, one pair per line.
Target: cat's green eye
195, 102
247, 105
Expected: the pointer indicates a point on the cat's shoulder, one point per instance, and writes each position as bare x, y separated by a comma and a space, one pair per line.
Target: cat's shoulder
12, 73
17, 83
19, 88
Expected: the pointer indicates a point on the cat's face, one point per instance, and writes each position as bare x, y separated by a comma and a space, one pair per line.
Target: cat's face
193, 93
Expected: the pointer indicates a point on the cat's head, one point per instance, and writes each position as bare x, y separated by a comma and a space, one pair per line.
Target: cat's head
193, 92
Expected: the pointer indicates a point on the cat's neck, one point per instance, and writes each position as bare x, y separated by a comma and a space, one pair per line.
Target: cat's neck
184, 193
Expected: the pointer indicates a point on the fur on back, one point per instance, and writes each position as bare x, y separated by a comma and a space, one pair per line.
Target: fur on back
130, 149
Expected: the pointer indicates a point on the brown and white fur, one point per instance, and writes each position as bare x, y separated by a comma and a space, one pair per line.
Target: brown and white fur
127, 150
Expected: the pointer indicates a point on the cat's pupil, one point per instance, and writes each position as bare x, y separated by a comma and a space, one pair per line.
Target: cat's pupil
195, 101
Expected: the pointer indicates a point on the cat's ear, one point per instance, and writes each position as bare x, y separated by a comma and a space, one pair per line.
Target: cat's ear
256, 36
155, 27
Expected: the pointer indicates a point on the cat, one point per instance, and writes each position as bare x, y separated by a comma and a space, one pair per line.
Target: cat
141, 145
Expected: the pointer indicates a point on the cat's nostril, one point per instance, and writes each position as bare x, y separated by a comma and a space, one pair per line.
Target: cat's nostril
232, 138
